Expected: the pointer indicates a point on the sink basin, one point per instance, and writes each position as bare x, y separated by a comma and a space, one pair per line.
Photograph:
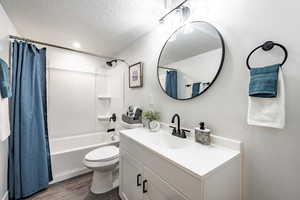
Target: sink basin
169, 141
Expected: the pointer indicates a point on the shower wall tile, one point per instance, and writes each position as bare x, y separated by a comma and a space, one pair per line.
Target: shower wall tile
71, 103
103, 106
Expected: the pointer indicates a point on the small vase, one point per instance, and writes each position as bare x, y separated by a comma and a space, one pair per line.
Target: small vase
146, 123
153, 125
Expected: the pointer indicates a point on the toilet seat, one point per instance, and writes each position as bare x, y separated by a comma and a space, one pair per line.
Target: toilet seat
102, 157
103, 154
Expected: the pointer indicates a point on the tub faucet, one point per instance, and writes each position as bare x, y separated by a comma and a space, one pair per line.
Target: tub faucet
113, 135
111, 130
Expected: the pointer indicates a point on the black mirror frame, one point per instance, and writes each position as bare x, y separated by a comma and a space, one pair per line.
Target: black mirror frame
220, 67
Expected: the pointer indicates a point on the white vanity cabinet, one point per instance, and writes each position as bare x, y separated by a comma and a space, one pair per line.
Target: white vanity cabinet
131, 180
140, 183
150, 170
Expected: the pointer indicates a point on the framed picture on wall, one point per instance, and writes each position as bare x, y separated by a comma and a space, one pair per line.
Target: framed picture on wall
136, 75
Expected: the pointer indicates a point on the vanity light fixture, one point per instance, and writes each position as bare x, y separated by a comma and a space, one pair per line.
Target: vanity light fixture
184, 11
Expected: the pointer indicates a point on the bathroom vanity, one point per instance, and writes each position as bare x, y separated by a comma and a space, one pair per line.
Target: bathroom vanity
159, 166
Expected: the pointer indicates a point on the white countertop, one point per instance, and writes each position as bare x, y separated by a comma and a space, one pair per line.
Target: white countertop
195, 157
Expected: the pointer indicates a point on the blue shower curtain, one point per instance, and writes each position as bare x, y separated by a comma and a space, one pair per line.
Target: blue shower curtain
195, 89
29, 153
171, 84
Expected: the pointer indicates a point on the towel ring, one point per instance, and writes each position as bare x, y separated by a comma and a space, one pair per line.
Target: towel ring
267, 46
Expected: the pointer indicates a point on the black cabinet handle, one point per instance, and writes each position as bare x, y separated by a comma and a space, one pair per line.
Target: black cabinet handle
144, 186
138, 183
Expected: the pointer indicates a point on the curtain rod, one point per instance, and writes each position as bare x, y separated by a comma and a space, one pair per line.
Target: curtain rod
168, 68
60, 47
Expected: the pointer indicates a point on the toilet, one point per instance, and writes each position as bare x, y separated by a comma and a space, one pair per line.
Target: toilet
104, 162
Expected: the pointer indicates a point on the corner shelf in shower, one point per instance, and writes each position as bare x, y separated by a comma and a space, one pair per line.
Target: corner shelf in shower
104, 97
103, 117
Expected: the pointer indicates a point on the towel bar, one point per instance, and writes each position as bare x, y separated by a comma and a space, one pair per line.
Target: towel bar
267, 46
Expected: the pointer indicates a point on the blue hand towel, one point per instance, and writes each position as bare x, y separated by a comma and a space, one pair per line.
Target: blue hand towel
195, 89
5, 88
263, 81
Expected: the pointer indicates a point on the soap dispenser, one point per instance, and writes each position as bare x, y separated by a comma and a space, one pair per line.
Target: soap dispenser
202, 134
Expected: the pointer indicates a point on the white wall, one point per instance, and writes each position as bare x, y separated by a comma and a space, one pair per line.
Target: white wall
272, 156
74, 82
6, 29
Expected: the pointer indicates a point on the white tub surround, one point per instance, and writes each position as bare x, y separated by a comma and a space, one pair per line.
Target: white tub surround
67, 153
168, 167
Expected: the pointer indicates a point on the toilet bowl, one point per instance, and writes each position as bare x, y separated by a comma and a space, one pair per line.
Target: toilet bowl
104, 162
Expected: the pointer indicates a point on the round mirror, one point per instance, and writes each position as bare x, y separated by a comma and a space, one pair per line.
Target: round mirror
190, 60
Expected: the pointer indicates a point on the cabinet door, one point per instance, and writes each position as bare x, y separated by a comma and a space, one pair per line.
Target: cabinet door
154, 188
130, 178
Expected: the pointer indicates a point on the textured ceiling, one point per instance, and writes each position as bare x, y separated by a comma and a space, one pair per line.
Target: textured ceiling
100, 26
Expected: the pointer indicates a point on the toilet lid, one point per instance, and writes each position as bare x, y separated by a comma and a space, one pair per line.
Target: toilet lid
105, 153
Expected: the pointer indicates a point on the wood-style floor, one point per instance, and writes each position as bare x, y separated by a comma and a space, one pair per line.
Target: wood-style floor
73, 189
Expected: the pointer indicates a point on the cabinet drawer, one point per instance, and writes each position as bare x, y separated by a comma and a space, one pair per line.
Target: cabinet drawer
175, 176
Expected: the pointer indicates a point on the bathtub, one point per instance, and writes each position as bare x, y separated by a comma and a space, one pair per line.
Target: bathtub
67, 153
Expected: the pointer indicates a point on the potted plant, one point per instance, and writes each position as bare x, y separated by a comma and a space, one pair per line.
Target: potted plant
150, 120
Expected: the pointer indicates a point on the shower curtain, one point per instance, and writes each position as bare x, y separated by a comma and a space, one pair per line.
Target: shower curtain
29, 153
171, 84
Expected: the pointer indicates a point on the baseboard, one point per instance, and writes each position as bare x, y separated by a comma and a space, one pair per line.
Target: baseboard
68, 175
5, 196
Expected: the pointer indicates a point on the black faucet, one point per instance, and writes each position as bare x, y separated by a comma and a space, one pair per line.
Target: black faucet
178, 131
113, 117
178, 121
